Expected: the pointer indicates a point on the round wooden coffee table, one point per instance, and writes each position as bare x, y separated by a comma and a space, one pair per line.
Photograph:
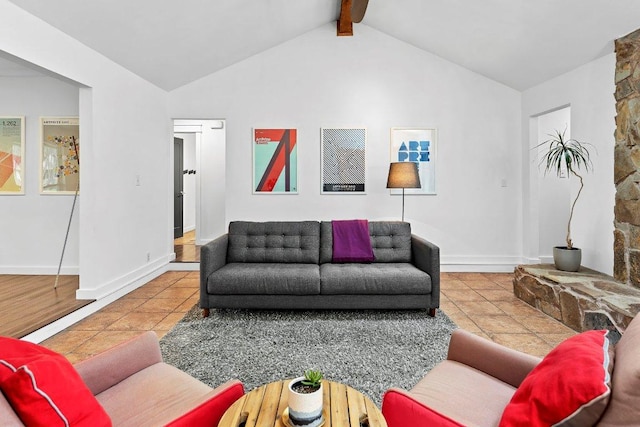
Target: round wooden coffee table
263, 407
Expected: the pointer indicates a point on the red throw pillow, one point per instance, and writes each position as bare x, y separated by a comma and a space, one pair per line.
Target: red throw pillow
44, 389
571, 386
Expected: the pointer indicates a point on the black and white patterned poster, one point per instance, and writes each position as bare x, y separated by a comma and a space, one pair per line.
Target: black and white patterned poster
343, 160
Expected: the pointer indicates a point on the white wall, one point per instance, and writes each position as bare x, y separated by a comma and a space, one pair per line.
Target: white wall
554, 193
373, 80
35, 224
125, 131
589, 91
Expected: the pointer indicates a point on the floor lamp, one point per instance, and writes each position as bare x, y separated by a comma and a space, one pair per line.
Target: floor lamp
403, 175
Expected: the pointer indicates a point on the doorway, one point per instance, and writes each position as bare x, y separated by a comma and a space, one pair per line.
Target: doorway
178, 187
199, 185
554, 193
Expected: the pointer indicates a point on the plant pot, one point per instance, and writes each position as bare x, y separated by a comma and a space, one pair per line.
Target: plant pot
567, 259
305, 409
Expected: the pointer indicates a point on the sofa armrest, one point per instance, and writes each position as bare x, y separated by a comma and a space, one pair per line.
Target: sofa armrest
426, 256
8, 418
213, 256
400, 409
110, 367
213, 408
507, 365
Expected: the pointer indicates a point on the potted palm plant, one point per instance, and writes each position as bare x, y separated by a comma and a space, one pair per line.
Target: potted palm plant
566, 155
306, 400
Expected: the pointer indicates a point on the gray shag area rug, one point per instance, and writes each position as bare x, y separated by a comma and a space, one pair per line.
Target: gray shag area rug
370, 351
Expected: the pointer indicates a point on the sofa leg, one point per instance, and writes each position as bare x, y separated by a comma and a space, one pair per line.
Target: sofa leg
432, 312
205, 312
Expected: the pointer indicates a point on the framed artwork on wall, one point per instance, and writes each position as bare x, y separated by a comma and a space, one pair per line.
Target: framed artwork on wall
59, 155
343, 160
416, 145
12, 155
275, 161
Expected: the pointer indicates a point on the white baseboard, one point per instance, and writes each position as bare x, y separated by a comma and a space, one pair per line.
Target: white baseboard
472, 264
129, 281
39, 270
183, 266
104, 295
546, 259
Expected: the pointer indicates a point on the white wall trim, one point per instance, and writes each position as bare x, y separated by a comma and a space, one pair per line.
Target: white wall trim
183, 266
127, 282
472, 264
39, 270
546, 259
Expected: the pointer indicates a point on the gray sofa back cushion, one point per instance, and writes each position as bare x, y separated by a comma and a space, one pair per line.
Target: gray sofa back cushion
282, 241
390, 240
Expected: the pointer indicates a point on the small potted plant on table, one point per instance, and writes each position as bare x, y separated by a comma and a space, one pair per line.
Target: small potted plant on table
305, 400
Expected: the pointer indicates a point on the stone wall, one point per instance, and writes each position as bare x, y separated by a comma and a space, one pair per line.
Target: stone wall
626, 264
583, 301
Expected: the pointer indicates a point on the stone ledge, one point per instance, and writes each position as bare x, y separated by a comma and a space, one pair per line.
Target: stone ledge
583, 300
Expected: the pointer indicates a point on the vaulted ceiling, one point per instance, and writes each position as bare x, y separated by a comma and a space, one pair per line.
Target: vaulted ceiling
519, 43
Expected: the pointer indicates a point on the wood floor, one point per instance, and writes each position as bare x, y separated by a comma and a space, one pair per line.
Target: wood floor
28, 303
186, 249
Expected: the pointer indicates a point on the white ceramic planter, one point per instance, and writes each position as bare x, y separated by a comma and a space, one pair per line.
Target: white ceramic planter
305, 409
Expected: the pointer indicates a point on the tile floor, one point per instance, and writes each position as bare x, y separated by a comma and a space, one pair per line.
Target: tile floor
482, 303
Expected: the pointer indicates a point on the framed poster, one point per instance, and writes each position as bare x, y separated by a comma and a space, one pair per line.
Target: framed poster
343, 160
12, 155
416, 145
275, 161
59, 155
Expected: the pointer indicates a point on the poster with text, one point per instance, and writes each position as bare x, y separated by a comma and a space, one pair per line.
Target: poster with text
275, 161
12, 155
343, 160
59, 155
416, 145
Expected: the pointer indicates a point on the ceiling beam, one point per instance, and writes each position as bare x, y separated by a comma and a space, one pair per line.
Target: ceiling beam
345, 25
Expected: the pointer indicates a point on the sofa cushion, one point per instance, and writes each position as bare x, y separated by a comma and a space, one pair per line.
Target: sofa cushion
275, 242
623, 409
8, 417
479, 402
43, 388
373, 279
570, 387
390, 241
265, 279
153, 396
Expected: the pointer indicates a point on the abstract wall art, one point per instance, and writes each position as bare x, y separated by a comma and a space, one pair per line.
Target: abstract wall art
343, 160
275, 161
12, 155
59, 155
416, 145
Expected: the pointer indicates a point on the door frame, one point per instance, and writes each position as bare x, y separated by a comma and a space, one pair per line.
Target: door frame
210, 142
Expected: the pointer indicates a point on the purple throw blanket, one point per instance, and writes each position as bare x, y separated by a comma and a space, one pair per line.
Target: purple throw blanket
351, 242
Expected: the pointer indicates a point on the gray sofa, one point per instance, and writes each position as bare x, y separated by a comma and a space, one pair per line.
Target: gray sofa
288, 265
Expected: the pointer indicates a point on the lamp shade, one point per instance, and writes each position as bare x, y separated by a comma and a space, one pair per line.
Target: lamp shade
403, 175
